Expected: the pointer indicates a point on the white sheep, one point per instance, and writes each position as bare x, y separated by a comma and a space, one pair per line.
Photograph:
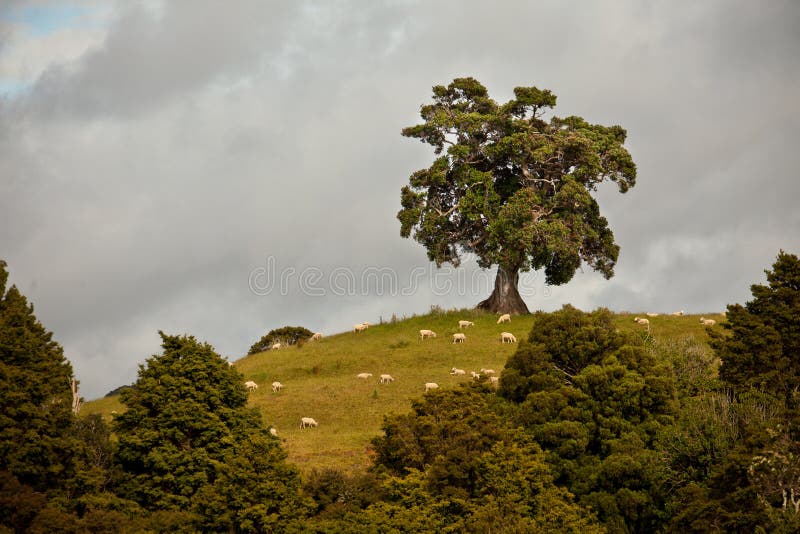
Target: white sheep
488, 371
465, 324
273, 431
426, 333
276, 387
363, 376
475, 375
652, 314
230, 364
250, 385
494, 380
707, 322
385, 379
457, 372
306, 422
677, 313
505, 318
316, 337
507, 337
641, 320
459, 337
275, 346
430, 385
360, 327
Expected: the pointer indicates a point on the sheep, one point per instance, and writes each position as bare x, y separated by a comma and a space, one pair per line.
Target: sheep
465, 324
459, 338
316, 337
363, 375
273, 431
360, 327
426, 333
475, 375
678, 313
707, 322
230, 364
652, 314
494, 380
250, 385
641, 320
275, 346
276, 387
430, 385
385, 379
488, 371
505, 318
507, 337
306, 422
457, 372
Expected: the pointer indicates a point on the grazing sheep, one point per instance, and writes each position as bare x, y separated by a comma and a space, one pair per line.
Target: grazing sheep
364, 375
678, 313
273, 431
250, 385
494, 380
360, 327
275, 346
306, 422
316, 337
707, 322
652, 314
487, 371
459, 338
465, 324
457, 372
431, 385
276, 387
475, 375
505, 318
641, 320
385, 379
507, 337
426, 333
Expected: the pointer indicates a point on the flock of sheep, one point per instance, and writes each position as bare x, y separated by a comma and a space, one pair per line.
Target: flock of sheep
646, 322
459, 337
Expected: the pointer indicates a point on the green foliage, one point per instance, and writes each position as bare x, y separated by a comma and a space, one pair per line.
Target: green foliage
36, 437
762, 349
456, 459
287, 335
595, 399
511, 187
187, 442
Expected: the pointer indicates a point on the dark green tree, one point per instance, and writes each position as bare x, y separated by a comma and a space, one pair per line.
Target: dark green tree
595, 400
187, 441
762, 347
37, 442
286, 335
457, 460
513, 188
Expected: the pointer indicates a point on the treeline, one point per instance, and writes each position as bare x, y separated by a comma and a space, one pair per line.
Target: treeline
591, 430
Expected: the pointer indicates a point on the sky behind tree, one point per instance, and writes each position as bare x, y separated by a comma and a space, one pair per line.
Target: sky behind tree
223, 169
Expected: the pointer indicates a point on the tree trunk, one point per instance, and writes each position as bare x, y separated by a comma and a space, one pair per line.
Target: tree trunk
505, 298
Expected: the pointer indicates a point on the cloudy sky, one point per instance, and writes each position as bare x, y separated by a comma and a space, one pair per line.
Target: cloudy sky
225, 168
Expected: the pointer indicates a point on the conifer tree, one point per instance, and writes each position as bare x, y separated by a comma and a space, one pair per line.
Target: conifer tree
37, 443
188, 442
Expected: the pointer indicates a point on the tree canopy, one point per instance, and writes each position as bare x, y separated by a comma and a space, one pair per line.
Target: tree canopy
513, 188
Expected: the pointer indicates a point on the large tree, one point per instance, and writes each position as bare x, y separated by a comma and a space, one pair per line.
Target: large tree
513, 188
37, 442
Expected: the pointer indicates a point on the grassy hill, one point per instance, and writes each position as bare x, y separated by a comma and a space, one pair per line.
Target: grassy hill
320, 377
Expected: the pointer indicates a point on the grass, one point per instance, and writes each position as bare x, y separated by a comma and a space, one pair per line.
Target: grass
320, 377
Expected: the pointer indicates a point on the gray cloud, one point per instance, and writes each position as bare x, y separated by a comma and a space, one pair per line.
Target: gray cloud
143, 182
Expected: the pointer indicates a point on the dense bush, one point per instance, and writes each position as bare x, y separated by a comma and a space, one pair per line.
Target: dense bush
287, 335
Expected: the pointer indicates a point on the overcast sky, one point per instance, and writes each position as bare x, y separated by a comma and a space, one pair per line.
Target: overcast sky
225, 168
